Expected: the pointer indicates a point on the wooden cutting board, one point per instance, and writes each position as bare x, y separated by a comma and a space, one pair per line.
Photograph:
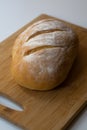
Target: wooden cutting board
48, 110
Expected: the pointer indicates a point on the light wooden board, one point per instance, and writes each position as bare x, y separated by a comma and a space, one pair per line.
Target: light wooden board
48, 110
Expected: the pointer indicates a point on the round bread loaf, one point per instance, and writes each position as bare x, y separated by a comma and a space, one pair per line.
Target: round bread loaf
43, 54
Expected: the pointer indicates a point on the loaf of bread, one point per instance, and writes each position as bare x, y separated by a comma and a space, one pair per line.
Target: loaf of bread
43, 54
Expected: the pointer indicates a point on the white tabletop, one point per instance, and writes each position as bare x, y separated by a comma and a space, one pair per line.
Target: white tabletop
16, 13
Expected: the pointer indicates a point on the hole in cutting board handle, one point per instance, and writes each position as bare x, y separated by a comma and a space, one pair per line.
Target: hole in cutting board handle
7, 125
5, 101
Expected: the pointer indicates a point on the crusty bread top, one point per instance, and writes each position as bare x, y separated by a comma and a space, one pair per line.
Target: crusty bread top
45, 33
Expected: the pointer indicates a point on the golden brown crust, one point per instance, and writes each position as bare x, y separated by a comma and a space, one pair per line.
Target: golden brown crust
43, 54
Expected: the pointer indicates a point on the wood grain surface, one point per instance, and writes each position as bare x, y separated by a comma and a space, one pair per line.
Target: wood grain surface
47, 110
